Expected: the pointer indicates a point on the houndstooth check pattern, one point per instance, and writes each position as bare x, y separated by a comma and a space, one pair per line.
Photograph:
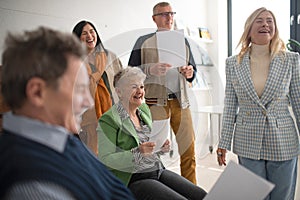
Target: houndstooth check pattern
262, 128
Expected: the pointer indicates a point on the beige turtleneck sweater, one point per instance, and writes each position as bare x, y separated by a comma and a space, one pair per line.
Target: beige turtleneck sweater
259, 66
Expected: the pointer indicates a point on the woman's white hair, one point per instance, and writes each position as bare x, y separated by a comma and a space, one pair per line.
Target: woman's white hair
129, 73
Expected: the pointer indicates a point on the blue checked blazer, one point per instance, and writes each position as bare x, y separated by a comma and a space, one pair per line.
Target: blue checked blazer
262, 128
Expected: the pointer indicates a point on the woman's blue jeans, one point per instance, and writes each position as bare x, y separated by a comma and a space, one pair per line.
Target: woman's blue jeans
282, 173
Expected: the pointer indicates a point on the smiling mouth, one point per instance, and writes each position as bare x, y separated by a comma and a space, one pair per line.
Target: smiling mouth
89, 41
138, 97
264, 31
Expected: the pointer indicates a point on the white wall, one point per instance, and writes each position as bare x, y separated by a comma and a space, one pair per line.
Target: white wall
110, 17
217, 20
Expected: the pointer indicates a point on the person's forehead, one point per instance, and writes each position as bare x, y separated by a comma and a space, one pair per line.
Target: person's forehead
265, 14
134, 80
164, 8
82, 75
87, 27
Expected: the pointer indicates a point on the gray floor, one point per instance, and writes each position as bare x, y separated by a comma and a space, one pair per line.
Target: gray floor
208, 170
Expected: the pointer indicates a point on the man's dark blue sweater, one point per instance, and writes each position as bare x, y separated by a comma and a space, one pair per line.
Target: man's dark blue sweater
76, 169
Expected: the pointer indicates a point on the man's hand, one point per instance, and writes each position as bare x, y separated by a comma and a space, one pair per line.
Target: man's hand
160, 69
187, 71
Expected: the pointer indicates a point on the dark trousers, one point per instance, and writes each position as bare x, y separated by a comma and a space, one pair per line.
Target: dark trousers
169, 186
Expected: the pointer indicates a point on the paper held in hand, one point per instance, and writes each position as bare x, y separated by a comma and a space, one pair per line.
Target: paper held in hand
171, 47
238, 183
159, 133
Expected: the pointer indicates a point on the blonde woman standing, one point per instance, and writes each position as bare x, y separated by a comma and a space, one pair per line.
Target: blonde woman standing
262, 82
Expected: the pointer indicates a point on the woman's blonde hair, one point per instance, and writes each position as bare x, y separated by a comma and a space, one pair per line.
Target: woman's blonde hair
276, 45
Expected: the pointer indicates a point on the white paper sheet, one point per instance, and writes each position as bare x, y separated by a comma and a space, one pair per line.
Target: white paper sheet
238, 183
171, 47
159, 133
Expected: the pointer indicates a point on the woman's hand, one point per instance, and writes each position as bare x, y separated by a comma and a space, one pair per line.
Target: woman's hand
147, 148
166, 146
221, 156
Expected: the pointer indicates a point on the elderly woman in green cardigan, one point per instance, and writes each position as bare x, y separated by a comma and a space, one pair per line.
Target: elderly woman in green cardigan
125, 145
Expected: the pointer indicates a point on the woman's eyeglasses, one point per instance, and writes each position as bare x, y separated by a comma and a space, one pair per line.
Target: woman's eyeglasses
165, 14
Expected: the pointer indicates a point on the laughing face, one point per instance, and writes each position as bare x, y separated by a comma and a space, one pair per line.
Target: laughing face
263, 29
89, 37
133, 93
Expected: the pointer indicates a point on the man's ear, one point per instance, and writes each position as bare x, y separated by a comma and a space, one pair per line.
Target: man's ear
153, 18
34, 91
